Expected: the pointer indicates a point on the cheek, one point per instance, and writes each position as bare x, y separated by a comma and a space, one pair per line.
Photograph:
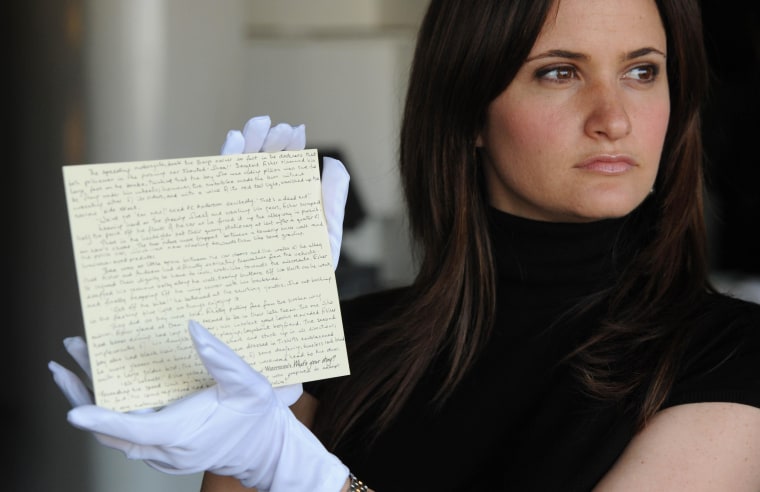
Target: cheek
653, 127
524, 134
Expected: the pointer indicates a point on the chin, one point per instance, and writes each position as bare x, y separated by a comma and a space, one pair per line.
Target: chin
610, 209
605, 206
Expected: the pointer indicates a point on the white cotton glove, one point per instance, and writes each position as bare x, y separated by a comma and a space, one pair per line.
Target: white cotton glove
238, 427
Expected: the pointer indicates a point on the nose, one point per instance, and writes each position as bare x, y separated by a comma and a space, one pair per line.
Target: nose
607, 117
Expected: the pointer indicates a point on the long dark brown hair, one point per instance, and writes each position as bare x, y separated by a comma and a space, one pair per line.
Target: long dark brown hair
467, 53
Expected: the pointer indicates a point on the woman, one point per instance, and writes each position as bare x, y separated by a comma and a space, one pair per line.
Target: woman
562, 333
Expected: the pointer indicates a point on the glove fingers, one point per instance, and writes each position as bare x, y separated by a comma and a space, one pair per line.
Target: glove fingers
278, 138
236, 380
77, 349
156, 457
121, 430
297, 138
234, 143
258, 135
130, 449
335, 180
254, 133
160, 428
160, 458
72, 387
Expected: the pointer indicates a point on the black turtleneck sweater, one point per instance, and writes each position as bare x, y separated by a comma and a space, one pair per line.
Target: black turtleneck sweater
519, 421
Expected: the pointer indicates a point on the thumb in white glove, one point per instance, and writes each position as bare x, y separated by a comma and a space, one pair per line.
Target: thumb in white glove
237, 427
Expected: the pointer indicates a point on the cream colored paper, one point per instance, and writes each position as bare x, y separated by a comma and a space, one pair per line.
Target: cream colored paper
236, 242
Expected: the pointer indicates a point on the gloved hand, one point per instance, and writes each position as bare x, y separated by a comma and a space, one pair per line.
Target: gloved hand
184, 449
237, 427
259, 135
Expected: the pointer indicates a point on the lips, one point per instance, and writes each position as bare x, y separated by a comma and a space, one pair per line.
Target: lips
607, 164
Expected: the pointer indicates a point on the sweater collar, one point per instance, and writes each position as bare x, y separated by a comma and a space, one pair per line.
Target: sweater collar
554, 261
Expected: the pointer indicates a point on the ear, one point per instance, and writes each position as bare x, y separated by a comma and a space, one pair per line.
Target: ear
479, 140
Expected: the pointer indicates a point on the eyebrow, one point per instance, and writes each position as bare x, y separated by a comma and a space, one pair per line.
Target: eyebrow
572, 55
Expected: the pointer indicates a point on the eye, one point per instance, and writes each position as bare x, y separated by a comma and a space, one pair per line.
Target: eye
557, 74
643, 73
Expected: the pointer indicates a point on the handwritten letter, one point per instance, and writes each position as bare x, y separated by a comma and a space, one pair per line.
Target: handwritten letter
236, 242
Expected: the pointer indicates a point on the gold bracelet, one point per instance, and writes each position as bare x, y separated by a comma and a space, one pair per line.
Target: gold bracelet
356, 485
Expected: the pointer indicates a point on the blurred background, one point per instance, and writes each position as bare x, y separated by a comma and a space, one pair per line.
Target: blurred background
122, 80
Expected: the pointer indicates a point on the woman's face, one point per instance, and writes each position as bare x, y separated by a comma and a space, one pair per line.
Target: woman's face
577, 135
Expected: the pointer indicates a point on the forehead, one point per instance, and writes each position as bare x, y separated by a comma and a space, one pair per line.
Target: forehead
589, 25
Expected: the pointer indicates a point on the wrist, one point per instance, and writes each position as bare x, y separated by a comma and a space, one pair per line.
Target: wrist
346, 485
355, 485
305, 464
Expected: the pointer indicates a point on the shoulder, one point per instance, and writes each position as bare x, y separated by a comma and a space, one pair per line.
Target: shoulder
707, 434
725, 325
693, 447
721, 359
